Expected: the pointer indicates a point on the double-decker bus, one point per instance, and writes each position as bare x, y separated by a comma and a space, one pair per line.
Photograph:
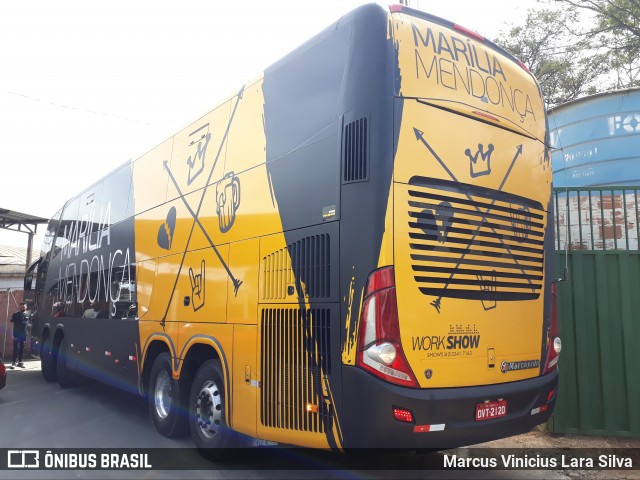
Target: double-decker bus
352, 251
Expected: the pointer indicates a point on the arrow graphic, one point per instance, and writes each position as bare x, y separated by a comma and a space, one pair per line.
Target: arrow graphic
420, 137
236, 282
196, 214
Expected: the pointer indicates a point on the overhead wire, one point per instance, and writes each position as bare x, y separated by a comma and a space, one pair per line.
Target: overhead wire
79, 109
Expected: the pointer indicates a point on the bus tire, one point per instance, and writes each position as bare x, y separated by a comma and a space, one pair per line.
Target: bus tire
48, 360
167, 399
209, 430
66, 377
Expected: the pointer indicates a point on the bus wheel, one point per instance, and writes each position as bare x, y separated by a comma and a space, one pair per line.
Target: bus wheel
47, 360
209, 430
166, 399
66, 377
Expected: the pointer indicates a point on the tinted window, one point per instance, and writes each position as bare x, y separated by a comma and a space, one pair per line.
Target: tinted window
116, 194
50, 235
67, 229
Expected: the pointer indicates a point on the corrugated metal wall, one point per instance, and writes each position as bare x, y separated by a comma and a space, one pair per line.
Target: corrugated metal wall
599, 313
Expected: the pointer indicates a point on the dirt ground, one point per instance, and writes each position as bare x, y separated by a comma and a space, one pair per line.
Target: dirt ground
540, 438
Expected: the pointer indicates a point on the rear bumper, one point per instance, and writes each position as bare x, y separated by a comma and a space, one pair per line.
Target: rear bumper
367, 419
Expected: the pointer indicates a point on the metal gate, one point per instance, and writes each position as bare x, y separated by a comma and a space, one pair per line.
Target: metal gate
597, 232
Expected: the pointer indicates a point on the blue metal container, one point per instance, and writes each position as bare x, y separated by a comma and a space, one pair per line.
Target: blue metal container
596, 140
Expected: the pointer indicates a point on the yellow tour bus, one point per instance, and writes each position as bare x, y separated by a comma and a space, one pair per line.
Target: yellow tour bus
354, 250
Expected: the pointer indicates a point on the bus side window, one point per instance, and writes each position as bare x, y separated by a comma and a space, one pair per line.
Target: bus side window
123, 292
35, 277
117, 193
30, 276
67, 229
30, 283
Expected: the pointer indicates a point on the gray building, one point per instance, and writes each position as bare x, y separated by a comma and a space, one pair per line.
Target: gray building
12, 266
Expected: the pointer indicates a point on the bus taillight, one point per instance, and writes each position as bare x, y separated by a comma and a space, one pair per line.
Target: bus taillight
379, 347
524, 66
468, 33
555, 346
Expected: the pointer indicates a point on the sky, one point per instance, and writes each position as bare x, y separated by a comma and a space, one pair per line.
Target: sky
86, 85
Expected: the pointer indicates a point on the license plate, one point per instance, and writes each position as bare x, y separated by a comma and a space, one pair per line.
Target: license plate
489, 410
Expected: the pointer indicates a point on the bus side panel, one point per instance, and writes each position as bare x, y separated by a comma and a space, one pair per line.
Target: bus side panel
200, 247
297, 364
298, 368
344, 72
91, 283
245, 384
242, 303
366, 219
366, 224
105, 350
302, 94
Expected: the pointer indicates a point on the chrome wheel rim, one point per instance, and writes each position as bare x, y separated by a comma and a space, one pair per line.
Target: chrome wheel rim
162, 394
209, 409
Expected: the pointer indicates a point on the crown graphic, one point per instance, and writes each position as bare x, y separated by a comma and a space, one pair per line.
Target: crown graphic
480, 162
195, 162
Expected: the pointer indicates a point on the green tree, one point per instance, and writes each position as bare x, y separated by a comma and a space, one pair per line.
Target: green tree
612, 15
564, 61
616, 30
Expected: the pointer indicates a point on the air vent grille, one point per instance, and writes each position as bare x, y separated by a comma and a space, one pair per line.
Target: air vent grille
309, 257
356, 151
475, 243
295, 357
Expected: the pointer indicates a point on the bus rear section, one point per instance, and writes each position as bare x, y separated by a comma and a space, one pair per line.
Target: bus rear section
456, 336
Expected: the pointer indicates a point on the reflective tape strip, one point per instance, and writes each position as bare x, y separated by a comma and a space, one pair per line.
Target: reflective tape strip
438, 427
537, 410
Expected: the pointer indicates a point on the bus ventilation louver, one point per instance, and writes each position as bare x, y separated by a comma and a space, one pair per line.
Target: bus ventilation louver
475, 243
295, 359
307, 261
355, 151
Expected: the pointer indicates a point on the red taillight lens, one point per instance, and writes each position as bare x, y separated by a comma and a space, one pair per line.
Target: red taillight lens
487, 116
402, 415
554, 344
379, 347
524, 66
469, 33
379, 280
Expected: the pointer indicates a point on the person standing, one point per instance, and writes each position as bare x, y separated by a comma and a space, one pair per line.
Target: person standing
21, 322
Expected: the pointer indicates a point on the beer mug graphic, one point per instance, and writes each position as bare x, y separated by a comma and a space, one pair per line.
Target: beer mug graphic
227, 201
